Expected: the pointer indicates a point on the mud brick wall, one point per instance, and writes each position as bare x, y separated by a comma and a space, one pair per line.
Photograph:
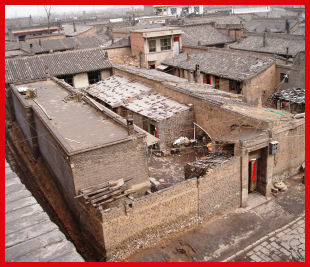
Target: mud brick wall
118, 51
260, 87
149, 219
220, 189
291, 154
21, 109
180, 124
55, 158
145, 221
123, 160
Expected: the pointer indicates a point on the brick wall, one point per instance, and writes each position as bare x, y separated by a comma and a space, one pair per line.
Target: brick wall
151, 219
180, 124
291, 154
122, 160
220, 189
260, 87
136, 43
119, 51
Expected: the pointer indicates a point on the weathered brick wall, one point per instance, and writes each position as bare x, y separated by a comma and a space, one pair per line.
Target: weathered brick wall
224, 85
260, 87
21, 108
145, 221
220, 189
123, 160
291, 154
180, 124
296, 76
150, 219
136, 43
119, 51
55, 158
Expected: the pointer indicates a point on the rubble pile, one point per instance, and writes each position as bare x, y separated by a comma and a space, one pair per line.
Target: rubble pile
293, 95
200, 167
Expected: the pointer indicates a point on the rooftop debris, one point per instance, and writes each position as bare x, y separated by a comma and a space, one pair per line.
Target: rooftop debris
293, 95
200, 167
105, 193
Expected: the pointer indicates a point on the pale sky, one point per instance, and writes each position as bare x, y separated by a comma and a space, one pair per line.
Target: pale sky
12, 11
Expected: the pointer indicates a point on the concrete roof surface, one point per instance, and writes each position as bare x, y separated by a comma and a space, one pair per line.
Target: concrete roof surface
30, 235
80, 125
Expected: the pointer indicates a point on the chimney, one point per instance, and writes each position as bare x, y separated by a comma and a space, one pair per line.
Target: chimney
40, 43
74, 28
47, 73
264, 39
287, 26
30, 46
140, 57
188, 57
199, 43
112, 40
190, 76
198, 75
286, 61
130, 125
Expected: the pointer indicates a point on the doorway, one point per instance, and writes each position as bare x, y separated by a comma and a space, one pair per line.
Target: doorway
176, 45
257, 171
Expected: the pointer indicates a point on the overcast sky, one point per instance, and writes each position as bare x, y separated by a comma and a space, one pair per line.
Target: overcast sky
12, 11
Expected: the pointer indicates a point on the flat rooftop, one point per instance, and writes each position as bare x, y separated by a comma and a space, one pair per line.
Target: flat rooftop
158, 29
80, 125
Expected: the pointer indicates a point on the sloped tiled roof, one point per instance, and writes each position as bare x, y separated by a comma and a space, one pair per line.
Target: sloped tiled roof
275, 44
229, 65
206, 34
64, 63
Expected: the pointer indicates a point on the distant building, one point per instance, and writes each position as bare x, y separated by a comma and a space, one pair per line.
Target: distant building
152, 46
249, 10
178, 10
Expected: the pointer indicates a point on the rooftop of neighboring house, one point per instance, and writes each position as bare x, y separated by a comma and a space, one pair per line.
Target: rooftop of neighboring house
205, 34
210, 19
268, 24
68, 29
222, 63
156, 29
275, 43
61, 44
119, 90
154, 75
135, 27
62, 63
76, 124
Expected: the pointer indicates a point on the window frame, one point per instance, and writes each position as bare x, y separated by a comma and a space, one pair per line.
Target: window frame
153, 40
165, 47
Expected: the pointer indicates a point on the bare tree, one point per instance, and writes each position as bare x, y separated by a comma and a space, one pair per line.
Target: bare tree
48, 10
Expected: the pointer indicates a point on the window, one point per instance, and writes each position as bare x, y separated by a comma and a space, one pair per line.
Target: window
94, 77
196, 9
152, 45
235, 86
207, 79
173, 10
284, 76
67, 78
152, 65
165, 44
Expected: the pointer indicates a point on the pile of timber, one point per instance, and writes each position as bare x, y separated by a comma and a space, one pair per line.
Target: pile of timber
105, 193
199, 168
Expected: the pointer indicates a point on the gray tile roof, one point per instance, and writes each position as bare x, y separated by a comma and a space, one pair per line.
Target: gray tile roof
206, 34
69, 30
272, 25
64, 63
275, 44
222, 63
61, 44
